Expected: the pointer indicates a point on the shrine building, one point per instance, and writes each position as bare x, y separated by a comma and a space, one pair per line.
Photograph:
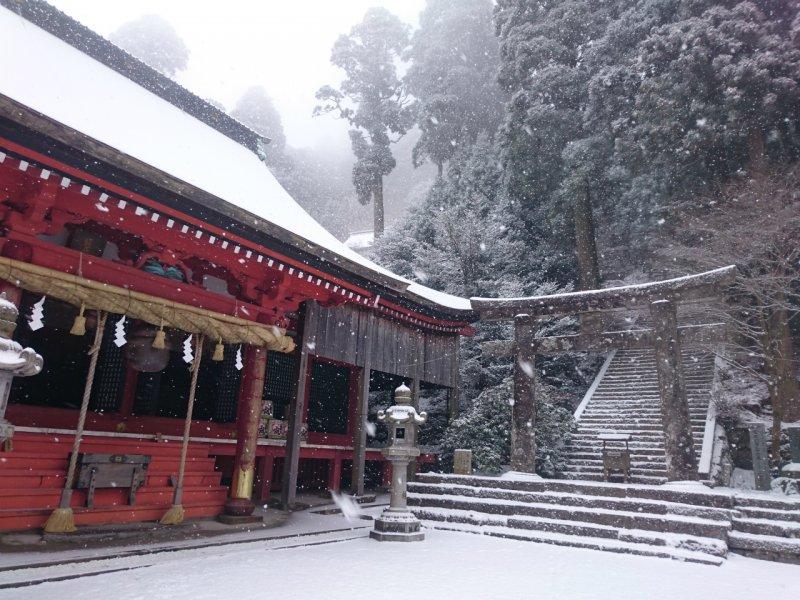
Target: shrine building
148, 248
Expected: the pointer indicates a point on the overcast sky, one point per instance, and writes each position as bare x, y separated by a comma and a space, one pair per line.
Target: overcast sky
283, 45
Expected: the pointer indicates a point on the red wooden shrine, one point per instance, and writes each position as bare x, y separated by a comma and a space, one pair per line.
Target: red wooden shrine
75, 205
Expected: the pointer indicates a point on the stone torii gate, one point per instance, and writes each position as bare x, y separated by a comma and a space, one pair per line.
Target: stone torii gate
666, 337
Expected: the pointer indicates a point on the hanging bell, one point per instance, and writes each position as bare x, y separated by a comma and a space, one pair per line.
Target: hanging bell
159, 339
79, 325
219, 352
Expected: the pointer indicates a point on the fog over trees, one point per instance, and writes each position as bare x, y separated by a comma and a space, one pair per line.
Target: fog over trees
153, 40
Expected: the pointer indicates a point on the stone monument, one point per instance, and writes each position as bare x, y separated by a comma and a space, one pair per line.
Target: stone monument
758, 452
462, 462
15, 361
397, 523
792, 469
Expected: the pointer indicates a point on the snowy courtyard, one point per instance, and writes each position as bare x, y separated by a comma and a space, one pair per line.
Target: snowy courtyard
446, 565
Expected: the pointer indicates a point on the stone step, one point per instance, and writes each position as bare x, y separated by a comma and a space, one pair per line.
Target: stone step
642, 447
786, 529
651, 379
641, 456
616, 518
597, 462
652, 412
635, 399
770, 501
633, 395
766, 547
645, 471
701, 496
634, 425
591, 477
632, 428
640, 505
756, 512
586, 542
640, 544
658, 470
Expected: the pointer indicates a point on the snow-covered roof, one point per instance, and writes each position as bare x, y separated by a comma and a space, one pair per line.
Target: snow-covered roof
54, 78
360, 240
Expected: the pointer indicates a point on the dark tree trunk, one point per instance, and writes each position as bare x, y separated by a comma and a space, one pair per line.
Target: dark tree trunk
377, 198
585, 244
755, 150
439, 171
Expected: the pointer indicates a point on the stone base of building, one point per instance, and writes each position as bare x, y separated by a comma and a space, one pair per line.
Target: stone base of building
239, 507
239, 519
397, 526
6, 433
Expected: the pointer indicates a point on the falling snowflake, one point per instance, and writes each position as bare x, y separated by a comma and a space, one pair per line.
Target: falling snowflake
527, 367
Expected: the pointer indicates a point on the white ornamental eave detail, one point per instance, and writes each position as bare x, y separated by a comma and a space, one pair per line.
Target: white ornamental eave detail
402, 414
19, 361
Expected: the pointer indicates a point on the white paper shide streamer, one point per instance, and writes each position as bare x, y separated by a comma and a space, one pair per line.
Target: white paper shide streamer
37, 316
188, 355
119, 333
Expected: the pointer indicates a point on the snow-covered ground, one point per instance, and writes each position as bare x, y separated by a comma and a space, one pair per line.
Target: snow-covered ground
347, 564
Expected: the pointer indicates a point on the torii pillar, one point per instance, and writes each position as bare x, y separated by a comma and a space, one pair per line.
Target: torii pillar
678, 441
523, 412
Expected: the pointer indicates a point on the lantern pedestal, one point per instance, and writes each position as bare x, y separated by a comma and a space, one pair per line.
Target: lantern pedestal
399, 526
397, 523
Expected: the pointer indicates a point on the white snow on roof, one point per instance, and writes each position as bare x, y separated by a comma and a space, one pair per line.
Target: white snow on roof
48, 75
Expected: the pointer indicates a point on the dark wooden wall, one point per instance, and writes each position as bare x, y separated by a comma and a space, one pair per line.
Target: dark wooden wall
340, 334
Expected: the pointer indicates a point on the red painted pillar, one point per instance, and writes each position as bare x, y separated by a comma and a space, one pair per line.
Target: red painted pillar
267, 467
334, 474
247, 418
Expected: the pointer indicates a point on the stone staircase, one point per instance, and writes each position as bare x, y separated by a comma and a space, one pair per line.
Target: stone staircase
688, 523
625, 399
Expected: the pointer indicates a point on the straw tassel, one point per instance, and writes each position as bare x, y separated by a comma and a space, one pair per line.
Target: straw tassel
79, 325
159, 342
219, 352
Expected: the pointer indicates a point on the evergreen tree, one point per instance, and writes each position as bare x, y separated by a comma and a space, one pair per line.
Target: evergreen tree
154, 41
371, 99
623, 110
453, 77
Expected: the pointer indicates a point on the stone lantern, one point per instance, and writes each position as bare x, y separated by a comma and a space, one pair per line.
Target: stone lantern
15, 361
397, 523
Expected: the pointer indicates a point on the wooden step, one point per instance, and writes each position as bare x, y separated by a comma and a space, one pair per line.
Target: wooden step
16, 520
